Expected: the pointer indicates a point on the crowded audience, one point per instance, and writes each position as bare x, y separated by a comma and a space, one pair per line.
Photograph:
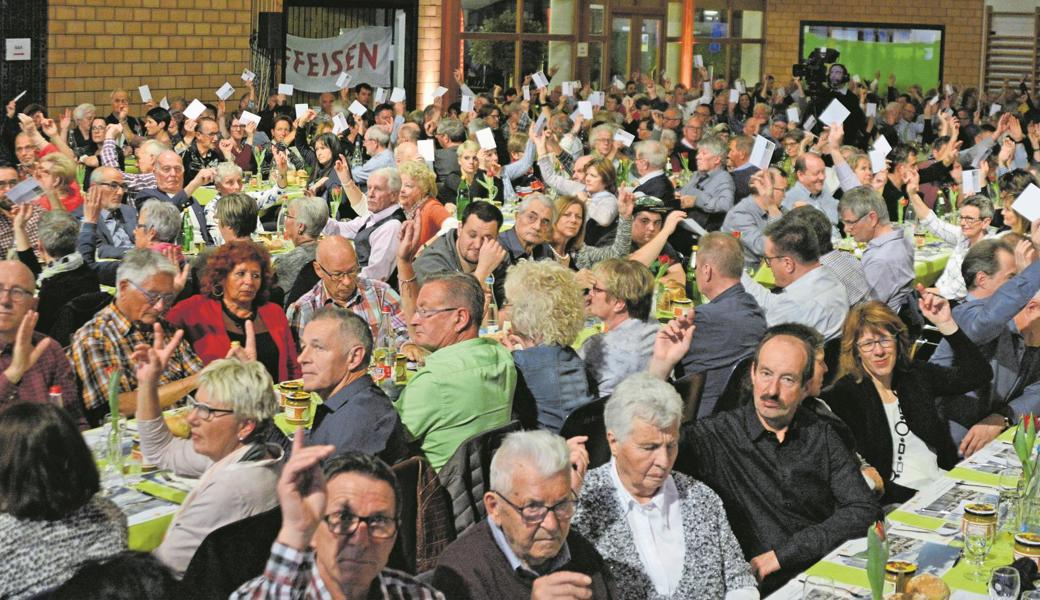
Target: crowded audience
642, 357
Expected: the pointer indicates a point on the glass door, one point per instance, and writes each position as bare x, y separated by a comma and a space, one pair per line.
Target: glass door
636, 44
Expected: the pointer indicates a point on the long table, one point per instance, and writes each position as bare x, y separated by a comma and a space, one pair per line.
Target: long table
149, 500
926, 530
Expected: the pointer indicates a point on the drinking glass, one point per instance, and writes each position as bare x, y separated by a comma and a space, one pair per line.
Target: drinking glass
1030, 595
1009, 482
977, 544
1004, 584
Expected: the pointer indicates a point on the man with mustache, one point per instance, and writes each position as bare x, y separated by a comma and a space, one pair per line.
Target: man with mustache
792, 489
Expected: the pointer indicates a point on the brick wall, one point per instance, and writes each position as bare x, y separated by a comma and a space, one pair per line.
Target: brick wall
962, 18
185, 48
428, 68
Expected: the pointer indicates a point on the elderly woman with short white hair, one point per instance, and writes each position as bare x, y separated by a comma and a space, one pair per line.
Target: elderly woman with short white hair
661, 534
547, 311
229, 421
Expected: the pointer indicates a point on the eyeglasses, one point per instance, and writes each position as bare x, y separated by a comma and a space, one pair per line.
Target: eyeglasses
206, 412
112, 185
535, 513
17, 294
767, 259
153, 297
848, 223
7, 183
968, 220
346, 523
425, 313
339, 275
885, 342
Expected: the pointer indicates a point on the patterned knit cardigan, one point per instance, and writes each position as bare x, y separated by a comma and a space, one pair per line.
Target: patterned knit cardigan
714, 562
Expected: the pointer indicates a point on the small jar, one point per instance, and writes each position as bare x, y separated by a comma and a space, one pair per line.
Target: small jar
1027, 545
297, 408
979, 516
899, 573
288, 387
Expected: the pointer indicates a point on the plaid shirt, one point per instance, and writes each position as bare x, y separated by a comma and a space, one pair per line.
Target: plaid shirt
293, 575
7, 232
51, 369
106, 342
365, 303
135, 182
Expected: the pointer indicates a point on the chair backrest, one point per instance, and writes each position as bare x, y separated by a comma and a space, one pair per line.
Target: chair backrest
690, 388
426, 524
735, 394
466, 475
75, 313
831, 357
588, 421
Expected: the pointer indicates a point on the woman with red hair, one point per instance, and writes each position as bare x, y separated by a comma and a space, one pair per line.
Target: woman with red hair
235, 285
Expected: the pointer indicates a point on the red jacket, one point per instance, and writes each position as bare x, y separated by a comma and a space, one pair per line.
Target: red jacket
202, 320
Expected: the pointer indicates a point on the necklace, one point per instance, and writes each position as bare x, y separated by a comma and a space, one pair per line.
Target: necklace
240, 321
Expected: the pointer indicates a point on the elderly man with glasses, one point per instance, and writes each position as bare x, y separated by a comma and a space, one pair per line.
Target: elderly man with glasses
30, 362
170, 187
341, 284
115, 229
145, 289
526, 547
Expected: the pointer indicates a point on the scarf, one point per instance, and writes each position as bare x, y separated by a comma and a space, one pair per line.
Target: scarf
69, 262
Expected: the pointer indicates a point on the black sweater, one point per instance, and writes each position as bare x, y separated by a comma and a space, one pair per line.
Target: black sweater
917, 388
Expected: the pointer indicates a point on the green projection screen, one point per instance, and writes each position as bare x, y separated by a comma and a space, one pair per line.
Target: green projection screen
913, 53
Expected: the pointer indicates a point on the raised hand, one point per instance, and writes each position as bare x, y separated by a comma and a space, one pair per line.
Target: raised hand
342, 168
226, 146
579, 460
672, 221
66, 119
151, 360
408, 241
490, 256
936, 309
302, 493
92, 205
671, 344
626, 203
50, 128
1025, 252
762, 184
24, 354
913, 182
113, 131
245, 353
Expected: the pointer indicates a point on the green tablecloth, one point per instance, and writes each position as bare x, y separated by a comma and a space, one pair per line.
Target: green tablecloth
928, 266
957, 577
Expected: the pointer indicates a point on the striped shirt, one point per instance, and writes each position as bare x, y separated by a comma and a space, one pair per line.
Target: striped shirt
106, 342
293, 575
135, 182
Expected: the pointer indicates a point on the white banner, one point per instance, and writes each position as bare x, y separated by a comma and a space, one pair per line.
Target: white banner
314, 64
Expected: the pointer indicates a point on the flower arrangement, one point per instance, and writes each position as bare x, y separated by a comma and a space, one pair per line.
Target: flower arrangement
877, 556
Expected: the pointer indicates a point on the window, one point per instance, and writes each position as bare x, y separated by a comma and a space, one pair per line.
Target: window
492, 35
730, 39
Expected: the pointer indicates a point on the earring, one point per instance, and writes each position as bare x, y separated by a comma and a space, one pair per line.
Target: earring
218, 291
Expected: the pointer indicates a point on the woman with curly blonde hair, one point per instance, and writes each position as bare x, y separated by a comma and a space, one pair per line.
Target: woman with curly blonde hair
418, 198
547, 312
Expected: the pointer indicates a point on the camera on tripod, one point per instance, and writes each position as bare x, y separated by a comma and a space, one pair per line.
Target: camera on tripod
813, 70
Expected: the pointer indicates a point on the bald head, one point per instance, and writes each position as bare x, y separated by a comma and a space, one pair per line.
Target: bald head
14, 304
334, 246
14, 271
169, 172
336, 265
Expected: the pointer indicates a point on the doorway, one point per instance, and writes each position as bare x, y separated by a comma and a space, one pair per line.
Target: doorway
636, 44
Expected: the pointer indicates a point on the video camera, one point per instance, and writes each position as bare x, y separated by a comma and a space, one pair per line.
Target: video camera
813, 70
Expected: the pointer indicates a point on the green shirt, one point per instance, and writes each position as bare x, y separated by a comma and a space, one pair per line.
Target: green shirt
464, 389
